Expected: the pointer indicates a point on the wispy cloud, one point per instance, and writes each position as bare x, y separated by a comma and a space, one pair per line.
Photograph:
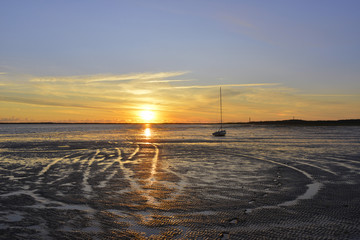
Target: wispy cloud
85, 92
103, 78
169, 81
331, 95
86, 98
43, 102
230, 85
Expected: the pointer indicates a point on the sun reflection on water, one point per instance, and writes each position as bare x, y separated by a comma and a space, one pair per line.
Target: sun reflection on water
147, 132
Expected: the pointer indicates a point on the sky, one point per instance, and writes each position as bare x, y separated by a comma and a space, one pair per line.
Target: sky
129, 61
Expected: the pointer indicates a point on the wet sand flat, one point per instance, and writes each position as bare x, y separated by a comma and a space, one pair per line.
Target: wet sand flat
258, 183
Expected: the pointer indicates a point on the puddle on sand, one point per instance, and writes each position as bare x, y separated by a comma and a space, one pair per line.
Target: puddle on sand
313, 189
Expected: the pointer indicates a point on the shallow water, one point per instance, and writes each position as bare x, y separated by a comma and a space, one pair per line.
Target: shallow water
178, 181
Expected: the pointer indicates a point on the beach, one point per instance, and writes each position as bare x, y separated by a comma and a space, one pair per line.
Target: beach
176, 181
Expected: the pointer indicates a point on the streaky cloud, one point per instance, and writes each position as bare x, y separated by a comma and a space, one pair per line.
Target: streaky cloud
102, 103
103, 78
331, 95
230, 85
169, 81
140, 76
45, 103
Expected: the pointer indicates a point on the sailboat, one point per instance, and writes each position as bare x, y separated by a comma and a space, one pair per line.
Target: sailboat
221, 132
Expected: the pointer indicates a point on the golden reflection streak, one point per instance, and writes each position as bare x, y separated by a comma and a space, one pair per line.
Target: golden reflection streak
154, 164
151, 180
147, 133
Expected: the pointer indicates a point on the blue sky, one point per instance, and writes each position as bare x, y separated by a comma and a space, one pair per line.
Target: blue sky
303, 52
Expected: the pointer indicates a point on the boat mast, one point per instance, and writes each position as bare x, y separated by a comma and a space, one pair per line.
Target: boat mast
220, 110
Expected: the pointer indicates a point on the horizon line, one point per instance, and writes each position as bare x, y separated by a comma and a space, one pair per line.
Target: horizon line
242, 122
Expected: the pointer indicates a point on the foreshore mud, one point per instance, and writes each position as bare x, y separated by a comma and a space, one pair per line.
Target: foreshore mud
173, 189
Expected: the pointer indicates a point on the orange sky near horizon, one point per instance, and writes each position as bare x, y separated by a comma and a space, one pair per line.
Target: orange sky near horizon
163, 97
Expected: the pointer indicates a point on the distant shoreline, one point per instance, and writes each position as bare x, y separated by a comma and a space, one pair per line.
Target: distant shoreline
291, 122
298, 122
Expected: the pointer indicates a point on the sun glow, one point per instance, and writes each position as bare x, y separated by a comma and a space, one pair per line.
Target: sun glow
147, 115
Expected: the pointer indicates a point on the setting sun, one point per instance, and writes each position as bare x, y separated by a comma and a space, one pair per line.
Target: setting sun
147, 115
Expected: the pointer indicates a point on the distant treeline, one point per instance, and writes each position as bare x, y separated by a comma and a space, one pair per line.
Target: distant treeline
298, 122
